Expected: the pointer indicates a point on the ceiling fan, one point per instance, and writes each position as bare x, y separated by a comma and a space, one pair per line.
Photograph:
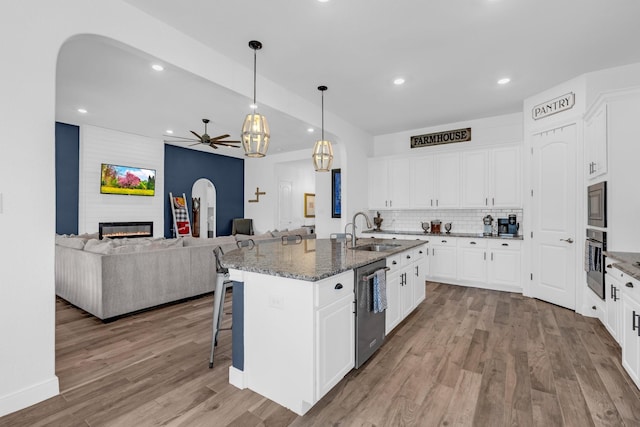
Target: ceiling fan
206, 139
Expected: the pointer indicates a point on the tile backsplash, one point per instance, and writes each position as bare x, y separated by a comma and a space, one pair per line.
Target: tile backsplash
462, 220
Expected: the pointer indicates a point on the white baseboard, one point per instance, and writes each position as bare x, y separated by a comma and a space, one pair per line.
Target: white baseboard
236, 378
29, 396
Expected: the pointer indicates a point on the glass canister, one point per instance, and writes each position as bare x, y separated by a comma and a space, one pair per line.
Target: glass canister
435, 226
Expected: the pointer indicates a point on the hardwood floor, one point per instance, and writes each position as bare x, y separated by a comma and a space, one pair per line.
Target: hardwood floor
465, 357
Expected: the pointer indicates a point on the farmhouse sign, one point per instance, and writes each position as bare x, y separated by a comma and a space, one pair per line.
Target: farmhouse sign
446, 137
556, 105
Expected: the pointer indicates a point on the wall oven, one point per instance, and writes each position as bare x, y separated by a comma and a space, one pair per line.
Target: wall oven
597, 205
594, 260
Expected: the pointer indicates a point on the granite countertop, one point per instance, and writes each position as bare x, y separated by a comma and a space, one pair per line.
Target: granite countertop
422, 233
627, 262
311, 259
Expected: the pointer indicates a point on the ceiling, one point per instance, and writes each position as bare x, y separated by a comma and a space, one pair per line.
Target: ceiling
451, 54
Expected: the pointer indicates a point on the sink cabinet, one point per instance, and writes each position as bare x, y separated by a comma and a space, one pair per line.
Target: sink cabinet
405, 285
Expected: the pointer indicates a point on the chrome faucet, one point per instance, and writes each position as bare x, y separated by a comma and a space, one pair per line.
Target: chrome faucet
353, 225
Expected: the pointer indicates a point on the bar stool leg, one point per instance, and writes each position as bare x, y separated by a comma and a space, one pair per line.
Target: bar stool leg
218, 303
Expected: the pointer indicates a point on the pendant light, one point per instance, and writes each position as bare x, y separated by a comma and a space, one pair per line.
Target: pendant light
255, 131
322, 151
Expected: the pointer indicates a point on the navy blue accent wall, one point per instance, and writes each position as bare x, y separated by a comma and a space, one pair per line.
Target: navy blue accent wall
67, 177
183, 167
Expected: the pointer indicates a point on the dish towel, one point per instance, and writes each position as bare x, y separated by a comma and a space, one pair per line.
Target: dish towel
379, 291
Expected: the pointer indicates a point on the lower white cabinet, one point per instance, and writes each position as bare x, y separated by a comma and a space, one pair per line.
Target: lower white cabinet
504, 260
630, 334
613, 301
443, 258
335, 343
405, 285
472, 260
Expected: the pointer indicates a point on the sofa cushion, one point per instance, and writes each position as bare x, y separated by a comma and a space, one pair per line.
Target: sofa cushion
70, 242
103, 246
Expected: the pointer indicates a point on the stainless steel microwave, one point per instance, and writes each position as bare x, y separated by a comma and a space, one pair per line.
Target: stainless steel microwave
597, 204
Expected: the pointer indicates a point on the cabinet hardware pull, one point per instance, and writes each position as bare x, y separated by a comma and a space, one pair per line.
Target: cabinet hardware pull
338, 286
493, 201
486, 201
472, 243
569, 240
629, 285
444, 241
633, 319
419, 252
609, 266
408, 256
417, 271
394, 263
485, 256
505, 244
491, 256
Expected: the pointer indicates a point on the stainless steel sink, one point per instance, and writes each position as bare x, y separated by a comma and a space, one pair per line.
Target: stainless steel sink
376, 247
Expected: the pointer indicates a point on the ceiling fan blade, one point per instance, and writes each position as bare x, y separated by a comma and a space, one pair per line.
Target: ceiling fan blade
227, 145
198, 136
212, 145
180, 137
220, 137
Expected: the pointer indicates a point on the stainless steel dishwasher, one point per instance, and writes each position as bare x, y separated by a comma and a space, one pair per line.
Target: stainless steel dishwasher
370, 326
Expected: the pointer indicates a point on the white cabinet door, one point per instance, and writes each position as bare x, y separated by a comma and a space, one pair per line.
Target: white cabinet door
406, 291
399, 183
378, 184
422, 182
595, 134
504, 263
421, 269
443, 258
630, 338
447, 167
613, 293
505, 186
472, 260
475, 177
394, 301
335, 353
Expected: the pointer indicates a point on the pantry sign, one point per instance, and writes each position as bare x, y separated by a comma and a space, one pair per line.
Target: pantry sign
437, 138
556, 105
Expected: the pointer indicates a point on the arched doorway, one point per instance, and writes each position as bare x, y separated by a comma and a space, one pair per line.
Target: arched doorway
206, 192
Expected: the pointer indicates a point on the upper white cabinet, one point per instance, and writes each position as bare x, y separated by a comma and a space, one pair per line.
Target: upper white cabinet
447, 180
595, 135
491, 178
422, 182
389, 183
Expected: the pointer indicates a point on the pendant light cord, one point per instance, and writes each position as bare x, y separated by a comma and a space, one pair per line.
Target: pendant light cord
323, 115
254, 79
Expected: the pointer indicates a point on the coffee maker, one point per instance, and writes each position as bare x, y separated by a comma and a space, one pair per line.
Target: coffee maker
513, 225
503, 226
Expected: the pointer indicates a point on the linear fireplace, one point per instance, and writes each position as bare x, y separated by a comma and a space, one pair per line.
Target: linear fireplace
119, 230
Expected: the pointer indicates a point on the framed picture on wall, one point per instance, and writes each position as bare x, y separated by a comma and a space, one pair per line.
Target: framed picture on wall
309, 205
336, 193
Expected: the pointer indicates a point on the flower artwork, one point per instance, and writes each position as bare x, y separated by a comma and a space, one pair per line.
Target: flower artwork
127, 180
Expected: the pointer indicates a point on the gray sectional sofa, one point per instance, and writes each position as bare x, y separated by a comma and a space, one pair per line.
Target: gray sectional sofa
110, 278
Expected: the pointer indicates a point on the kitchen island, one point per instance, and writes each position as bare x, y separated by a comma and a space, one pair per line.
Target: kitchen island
293, 315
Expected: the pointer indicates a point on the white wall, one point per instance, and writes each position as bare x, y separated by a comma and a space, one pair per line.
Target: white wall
34, 31
99, 145
504, 129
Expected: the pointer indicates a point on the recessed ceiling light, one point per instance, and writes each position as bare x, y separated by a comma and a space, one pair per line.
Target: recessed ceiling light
323, 1
169, 131
82, 111
504, 81
310, 130
398, 81
157, 67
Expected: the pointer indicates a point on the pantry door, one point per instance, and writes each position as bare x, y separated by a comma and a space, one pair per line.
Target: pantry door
554, 241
